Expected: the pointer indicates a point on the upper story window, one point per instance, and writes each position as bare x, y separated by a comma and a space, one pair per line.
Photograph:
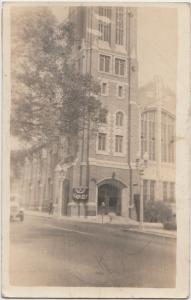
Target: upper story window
104, 88
119, 119
119, 26
103, 116
104, 63
104, 25
119, 66
120, 91
167, 137
148, 134
119, 143
102, 141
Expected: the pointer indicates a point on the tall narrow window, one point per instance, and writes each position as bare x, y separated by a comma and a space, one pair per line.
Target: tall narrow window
102, 141
119, 26
148, 134
152, 190
119, 119
104, 88
172, 192
120, 91
145, 190
164, 137
119, 143
104, 63
152, 135
167, 138
69, 145
119, 66
103, 116
104, 25
165, 193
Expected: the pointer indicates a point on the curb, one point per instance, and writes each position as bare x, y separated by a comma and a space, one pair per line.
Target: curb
157, 234
124, 226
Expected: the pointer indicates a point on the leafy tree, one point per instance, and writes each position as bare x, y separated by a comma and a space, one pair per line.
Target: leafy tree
49, 96
17, 163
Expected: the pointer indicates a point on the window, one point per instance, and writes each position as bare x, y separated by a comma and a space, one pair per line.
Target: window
104, 64
69, 145
78, 65
148, 134
119, 119
102, 141
120, 91
145, 190
167, 138
103, 116
119, 143
104, 88
172, 192
165, 196
119, 26
104, 25
119, 66
152, 190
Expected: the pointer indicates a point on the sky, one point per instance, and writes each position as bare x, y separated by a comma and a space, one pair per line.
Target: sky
157, 42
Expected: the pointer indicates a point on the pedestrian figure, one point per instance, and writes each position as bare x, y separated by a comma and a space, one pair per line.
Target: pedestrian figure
102, 210
51, 206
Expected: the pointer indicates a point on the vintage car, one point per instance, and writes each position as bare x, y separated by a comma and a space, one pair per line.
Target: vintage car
16, 211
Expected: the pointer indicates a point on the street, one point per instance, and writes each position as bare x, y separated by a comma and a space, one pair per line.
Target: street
50, 252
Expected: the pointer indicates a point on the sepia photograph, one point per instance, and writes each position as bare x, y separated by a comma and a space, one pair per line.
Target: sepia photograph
92, 146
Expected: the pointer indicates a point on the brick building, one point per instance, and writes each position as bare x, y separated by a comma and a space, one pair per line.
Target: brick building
138, 121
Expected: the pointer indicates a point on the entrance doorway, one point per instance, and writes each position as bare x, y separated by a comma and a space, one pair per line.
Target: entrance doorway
110, 192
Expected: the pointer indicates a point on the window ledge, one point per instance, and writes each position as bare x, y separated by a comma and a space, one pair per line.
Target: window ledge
102, 152
119, 154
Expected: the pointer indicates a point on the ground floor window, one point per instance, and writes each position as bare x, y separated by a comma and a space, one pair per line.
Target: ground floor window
164, 191
149, 187
169, 191
145, 190
172, 192
152, 190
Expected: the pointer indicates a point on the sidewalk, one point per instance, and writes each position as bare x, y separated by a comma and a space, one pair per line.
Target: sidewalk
155, 229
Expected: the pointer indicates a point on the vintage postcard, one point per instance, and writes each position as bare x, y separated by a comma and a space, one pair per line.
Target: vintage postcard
96, 122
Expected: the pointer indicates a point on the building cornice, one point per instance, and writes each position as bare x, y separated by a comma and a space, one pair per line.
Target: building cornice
107, 164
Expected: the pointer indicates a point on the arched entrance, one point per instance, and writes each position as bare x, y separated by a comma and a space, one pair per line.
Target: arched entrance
110, 191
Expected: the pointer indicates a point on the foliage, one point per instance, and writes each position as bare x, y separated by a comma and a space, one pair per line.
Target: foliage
157, 211
170, 225
17, 162
49, 96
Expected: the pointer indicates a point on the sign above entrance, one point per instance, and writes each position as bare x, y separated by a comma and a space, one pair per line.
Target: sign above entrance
80, 193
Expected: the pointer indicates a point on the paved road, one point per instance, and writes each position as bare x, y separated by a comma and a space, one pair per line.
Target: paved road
48, 252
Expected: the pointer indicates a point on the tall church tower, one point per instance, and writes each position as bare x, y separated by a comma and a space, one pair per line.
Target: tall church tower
106, 46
